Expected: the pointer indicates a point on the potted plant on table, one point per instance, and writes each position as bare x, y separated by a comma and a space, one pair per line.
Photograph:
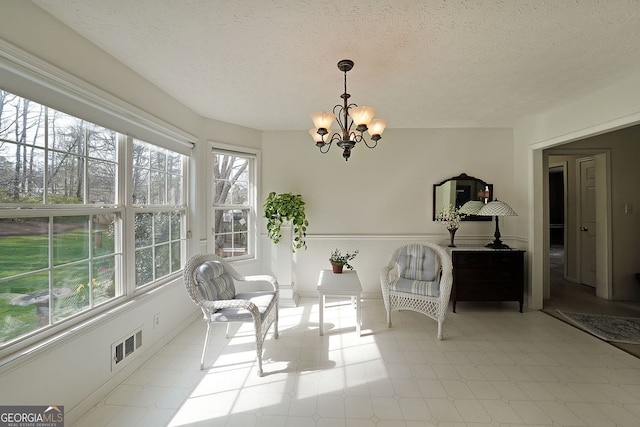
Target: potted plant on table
450, 216
339, 260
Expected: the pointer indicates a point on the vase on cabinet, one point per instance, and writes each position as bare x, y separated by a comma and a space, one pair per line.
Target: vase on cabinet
452, 235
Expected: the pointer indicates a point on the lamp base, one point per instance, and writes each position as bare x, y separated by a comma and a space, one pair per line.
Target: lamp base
497, 245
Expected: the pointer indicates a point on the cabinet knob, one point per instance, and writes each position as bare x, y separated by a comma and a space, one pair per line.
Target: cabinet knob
584, 228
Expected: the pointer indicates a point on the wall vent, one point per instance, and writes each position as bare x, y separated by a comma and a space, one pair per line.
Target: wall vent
122, 349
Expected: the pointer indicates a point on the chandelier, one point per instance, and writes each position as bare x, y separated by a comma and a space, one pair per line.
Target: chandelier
353, 121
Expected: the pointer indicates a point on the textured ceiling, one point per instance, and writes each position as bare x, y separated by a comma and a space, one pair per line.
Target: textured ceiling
431, 63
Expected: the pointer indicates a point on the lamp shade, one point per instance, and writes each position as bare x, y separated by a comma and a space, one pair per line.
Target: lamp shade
377, 126
362, 115
323, 119
497, 208
472, 207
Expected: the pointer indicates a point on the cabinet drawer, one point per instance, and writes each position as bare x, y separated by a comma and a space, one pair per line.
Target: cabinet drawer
471, 259
485, 275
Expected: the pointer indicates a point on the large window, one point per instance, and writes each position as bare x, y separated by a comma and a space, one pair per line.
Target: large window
160, 211
234, 204
64, 216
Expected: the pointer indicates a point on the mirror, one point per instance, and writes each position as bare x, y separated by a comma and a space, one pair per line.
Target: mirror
458, 190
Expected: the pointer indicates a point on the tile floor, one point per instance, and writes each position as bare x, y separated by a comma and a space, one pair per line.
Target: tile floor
495, 367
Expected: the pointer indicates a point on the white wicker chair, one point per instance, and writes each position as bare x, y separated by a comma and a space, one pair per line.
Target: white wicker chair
418, 277
211, 284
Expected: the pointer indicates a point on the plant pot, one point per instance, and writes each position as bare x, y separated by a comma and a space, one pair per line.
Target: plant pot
337, 268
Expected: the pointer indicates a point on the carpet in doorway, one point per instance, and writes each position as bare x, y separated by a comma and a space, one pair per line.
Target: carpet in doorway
608, 328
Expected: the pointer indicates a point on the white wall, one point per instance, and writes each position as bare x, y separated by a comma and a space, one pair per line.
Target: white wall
384, 196
606, 109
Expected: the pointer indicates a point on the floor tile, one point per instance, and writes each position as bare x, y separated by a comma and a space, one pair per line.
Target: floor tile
496, 367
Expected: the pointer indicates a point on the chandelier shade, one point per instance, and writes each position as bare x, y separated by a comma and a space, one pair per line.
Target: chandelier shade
352, 119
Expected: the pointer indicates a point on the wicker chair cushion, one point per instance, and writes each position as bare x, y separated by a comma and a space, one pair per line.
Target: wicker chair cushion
418, 262
214, 282
419, 287
263, 300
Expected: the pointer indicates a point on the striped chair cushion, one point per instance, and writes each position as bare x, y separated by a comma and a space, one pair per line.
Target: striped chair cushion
418, 262
264, 300
419, 287
214, 282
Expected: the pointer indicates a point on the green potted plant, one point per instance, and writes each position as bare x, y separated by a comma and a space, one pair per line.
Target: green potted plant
339, 261
283, 208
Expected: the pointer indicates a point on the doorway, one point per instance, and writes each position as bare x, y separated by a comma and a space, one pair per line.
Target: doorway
569, 195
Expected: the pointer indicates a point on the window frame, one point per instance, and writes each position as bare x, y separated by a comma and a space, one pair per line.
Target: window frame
253, 186
137, 208
124, 210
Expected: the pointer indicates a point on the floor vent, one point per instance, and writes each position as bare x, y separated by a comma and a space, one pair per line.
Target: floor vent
125, 347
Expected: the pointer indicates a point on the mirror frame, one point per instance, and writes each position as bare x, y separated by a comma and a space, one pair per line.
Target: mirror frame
464, 177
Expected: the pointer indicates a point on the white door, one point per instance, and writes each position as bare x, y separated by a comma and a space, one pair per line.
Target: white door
587, 235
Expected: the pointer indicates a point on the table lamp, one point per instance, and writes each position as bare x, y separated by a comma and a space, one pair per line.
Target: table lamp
497, 208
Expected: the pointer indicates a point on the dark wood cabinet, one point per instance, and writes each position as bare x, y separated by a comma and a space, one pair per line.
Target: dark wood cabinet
488, 275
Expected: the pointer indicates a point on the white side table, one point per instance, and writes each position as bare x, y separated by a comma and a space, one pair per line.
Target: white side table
344, 284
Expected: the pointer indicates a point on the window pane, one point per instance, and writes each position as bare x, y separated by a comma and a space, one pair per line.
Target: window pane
240, 218
158, 188
158, 159
102, 182
143, 229
176, 256
141, 186
103, 280
174, 163
103, 234
224, 245
240, 244
71, 290
24, 306
161, 227
24, 245
174, 193
66, 178
21, 173
230, 175
144, 266
70, 239
102, 143
162, 261
176, 225
21, 120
